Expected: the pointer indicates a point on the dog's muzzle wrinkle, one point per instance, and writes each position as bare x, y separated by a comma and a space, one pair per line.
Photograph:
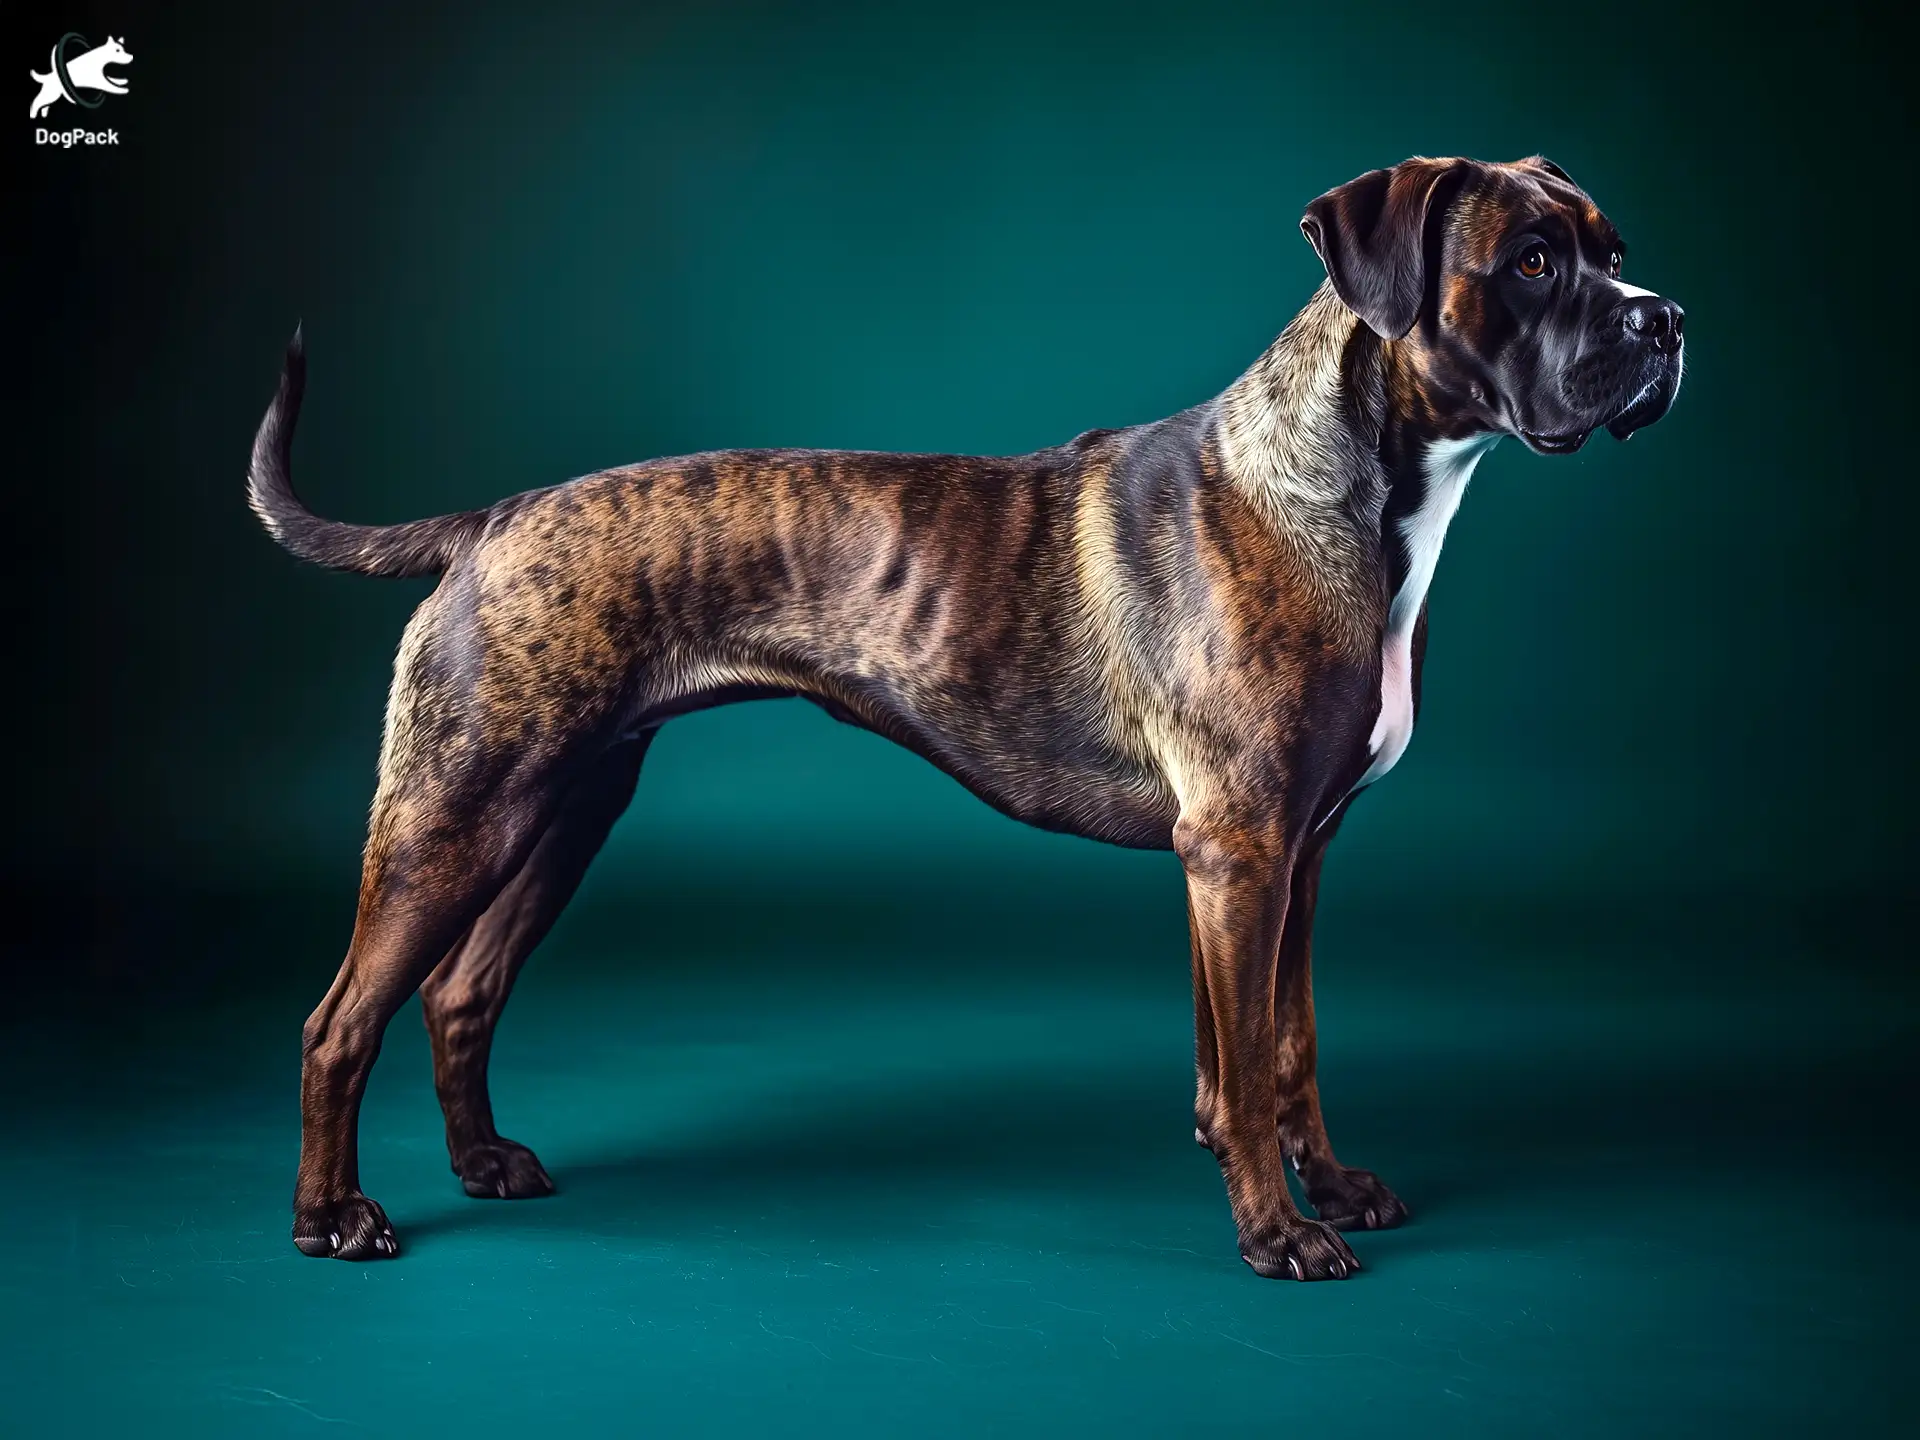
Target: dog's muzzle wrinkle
1631, 382
1652, 400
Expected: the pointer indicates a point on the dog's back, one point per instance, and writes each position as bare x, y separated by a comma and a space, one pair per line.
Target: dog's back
607, 604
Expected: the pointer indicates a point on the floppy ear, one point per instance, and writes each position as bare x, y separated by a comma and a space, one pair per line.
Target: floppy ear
1540, 162
1371, 235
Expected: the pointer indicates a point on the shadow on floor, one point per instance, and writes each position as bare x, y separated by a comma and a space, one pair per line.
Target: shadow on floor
1492, 1134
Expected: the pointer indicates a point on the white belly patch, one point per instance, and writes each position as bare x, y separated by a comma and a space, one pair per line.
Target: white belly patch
1449, 465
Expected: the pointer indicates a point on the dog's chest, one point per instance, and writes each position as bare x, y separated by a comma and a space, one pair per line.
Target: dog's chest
1422, 531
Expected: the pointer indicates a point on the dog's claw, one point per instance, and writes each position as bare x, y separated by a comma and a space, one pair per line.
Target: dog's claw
1300, 1250
350, 1229
502, 1170
1354, 1199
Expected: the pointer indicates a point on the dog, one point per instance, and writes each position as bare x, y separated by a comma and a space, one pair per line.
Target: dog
1202, 634
87, 71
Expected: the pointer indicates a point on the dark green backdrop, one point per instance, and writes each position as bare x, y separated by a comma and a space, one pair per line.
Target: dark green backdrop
1653, 823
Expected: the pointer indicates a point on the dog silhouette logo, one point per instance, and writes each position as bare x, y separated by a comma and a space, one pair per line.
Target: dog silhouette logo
68, 78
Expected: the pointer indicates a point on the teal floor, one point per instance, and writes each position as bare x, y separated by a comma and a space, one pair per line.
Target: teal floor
934, 1175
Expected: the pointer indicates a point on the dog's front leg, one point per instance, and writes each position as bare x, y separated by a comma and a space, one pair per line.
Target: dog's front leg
1237, 891
1348, 1198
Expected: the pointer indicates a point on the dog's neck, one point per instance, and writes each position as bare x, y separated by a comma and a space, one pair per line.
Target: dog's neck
1300, 430
1325, 436
1299, 438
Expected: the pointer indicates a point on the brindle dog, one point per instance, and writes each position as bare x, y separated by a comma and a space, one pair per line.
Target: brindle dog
1202, 634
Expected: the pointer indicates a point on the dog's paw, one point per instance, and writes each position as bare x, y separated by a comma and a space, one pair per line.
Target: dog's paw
502, 1170
1300, 1250
1355, 1200
351, 1229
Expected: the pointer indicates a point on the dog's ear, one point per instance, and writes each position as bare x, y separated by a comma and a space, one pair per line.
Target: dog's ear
1546, 166
1371, 234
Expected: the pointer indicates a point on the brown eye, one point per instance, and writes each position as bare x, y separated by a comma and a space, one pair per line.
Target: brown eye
1533, 262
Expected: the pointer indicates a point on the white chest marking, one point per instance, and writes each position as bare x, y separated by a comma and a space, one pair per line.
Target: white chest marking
1449, 465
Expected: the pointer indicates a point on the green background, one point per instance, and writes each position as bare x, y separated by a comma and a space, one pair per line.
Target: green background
870, 1109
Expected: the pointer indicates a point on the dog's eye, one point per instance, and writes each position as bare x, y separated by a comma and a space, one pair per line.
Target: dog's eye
1532, 262
1613, 263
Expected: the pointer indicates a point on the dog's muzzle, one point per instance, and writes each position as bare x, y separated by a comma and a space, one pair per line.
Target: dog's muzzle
1627, 382
1653, 326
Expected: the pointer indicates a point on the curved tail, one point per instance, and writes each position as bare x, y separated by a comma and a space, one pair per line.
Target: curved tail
419, 547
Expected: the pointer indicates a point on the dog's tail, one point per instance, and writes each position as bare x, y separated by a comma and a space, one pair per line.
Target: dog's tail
420, 547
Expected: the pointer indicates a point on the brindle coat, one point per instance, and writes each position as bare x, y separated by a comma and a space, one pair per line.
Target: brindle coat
1168, 636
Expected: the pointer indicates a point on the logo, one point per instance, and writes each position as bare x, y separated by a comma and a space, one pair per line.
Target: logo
77, 71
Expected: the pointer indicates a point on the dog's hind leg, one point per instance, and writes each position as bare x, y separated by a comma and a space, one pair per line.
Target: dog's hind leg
432, 867
463, 997
476, 763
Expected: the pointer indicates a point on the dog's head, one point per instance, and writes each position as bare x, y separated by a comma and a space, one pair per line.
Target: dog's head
1502, 283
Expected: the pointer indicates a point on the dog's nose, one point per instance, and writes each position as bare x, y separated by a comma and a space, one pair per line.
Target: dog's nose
1654, 320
